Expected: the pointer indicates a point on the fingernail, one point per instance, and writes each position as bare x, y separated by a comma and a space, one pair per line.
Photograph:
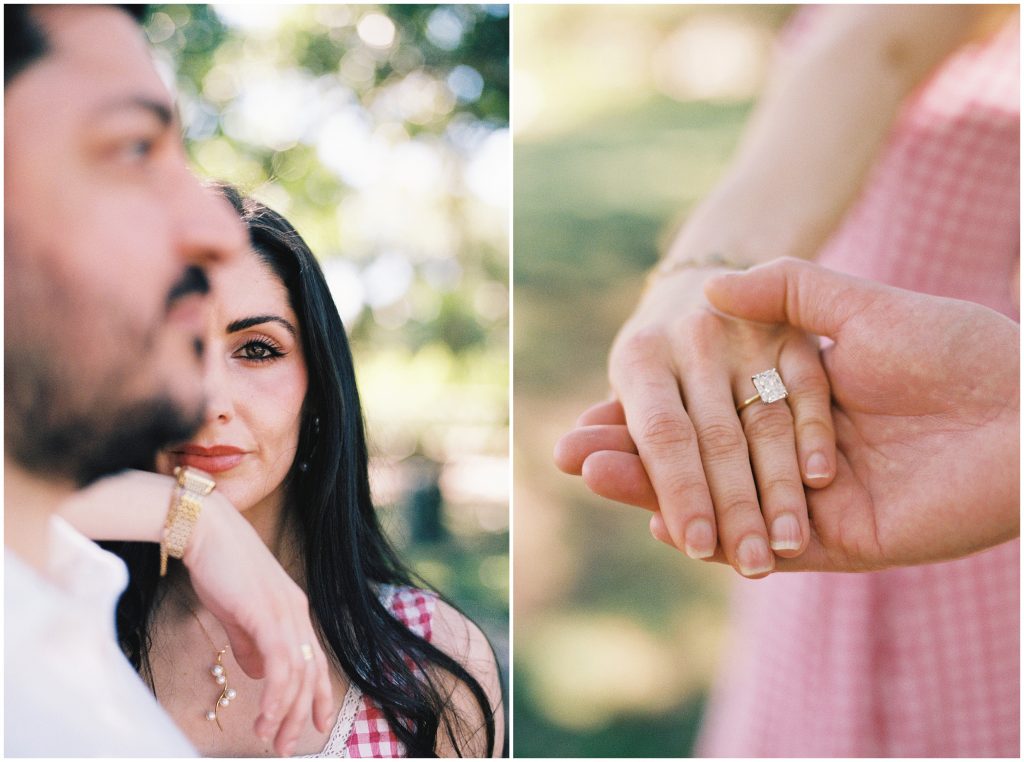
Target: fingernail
700, 539
754, 557
817, 466
785, 533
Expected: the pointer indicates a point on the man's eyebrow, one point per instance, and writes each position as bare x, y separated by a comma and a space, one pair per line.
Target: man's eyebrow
240, 325
162, 110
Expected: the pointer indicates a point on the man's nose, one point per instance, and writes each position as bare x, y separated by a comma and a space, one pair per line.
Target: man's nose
210, 232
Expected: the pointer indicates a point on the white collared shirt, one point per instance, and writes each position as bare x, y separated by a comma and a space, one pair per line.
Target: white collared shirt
69, 691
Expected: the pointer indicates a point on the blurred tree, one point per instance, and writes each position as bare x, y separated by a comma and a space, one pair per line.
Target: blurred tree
333, 114
381, 132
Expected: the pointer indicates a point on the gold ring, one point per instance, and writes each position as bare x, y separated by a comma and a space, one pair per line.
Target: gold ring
769, 389
745, 403
307, 651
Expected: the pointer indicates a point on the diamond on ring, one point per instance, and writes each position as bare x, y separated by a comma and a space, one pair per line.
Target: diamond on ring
769, 386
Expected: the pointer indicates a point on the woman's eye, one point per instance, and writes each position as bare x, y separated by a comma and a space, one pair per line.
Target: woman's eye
259, 350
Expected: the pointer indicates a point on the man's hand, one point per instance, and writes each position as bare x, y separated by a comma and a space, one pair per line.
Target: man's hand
926, 408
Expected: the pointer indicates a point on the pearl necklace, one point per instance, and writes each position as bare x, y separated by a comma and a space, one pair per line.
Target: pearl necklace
219, 674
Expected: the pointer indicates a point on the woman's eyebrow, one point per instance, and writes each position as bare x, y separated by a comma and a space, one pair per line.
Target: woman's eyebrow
249, 322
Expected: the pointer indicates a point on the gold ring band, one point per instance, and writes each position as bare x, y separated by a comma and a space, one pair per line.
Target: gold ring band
746, 403
307, 651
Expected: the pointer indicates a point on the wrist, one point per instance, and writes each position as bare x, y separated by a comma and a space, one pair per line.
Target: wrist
746, 227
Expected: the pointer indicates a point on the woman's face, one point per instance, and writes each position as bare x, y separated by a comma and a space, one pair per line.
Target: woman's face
255, 383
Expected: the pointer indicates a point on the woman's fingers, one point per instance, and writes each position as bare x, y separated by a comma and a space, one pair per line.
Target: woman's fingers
266, 617
769, 432
280, 686
658, 529
285, 674
660, 533
576, 446
245, 651
324, 710
724, 453
609, 412
667, 443
619, 476
304, 675
811, 402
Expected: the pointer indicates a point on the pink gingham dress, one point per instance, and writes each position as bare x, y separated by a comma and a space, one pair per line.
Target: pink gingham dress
361, 729
922, 661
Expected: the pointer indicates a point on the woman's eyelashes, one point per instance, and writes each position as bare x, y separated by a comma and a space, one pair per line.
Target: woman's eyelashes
259, 349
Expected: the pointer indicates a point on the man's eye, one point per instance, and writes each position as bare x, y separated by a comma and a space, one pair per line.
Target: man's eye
137, 150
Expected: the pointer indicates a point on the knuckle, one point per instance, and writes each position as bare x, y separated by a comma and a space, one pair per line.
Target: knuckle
809, 380
685, 485
733, 504
769, 423
665, 430
781, 485
700, 331
814, 426
720, 440
640, 346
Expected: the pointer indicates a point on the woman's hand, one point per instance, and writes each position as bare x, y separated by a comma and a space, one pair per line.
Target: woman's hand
680, 369
263, 611
267, 620
927, 420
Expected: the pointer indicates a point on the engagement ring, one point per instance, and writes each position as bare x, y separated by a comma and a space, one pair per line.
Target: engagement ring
769, 389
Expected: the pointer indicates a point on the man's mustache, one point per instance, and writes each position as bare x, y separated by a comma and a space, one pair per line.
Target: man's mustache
193, 281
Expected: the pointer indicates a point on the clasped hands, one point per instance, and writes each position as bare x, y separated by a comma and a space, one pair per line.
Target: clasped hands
898, 443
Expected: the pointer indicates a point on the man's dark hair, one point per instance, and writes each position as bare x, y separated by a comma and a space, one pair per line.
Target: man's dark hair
25, 41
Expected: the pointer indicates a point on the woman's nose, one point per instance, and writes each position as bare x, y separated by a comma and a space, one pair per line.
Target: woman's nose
216, 386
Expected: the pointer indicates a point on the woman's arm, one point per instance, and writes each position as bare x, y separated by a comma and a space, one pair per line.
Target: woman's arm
809, 145
817, 128
461, 639
264, 613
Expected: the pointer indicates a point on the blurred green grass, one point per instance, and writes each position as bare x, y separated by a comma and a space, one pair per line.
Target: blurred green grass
592, 210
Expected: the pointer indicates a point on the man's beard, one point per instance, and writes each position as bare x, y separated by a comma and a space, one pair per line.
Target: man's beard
107, 439
63, 422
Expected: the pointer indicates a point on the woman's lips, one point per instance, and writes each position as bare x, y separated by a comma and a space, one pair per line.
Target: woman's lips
213, 460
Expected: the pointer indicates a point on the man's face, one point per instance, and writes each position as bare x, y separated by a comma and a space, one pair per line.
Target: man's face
105, 229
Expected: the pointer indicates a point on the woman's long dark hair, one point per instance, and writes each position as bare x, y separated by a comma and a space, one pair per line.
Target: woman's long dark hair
344, 551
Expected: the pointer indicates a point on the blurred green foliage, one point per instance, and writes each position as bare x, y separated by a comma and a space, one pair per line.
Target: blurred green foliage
440, 82
617, 637
381, 132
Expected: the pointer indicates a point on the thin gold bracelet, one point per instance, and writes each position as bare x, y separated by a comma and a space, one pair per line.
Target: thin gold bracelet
670, 266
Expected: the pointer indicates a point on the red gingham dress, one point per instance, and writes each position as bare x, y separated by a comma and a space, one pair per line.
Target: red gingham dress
361, 730
921, 661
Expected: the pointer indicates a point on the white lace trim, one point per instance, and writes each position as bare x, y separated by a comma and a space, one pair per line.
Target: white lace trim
336, 745
386, 595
